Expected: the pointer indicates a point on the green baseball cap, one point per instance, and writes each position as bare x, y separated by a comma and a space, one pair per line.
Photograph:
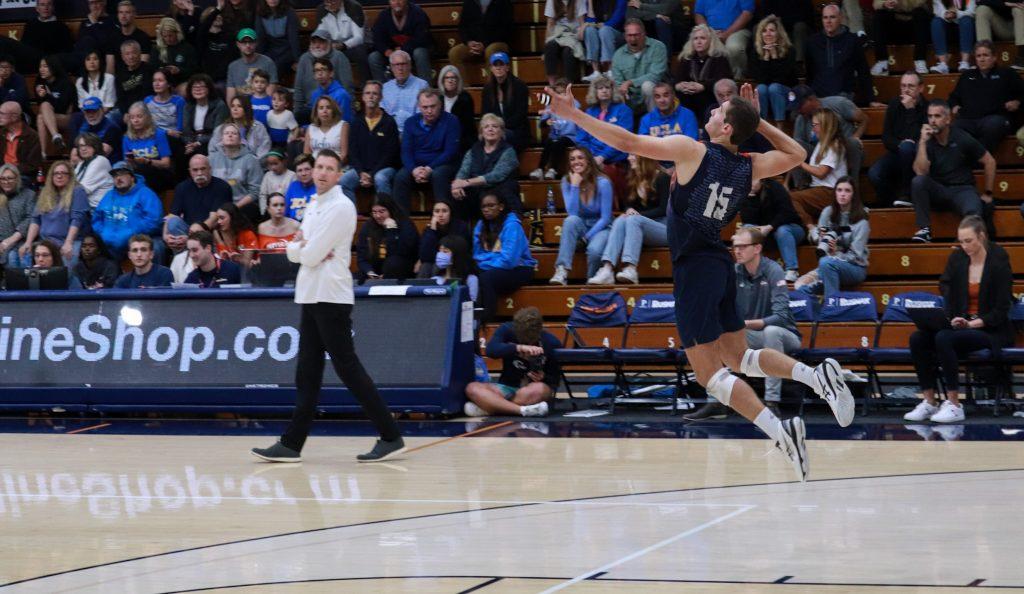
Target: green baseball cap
246, 33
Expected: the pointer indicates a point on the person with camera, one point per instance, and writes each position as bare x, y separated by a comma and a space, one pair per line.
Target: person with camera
529, 374
977, 293
843, 232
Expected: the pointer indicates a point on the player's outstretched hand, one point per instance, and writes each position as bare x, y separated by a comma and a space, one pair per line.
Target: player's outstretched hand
748, 92
558, 104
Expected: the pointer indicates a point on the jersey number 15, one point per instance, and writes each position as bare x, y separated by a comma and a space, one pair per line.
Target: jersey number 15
718, 202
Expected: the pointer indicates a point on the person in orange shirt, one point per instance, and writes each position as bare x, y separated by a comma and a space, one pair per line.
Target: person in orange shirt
278, 230
234, 235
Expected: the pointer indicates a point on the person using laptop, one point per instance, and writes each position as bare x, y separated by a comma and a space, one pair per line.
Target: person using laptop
977, 290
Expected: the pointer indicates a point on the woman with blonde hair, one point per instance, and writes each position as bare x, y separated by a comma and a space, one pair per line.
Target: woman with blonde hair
62, 209
772, 65
826, 165
147, 148
490, 167
606, 104
174, 53
16, 205
588, 202
327, 130
702, 62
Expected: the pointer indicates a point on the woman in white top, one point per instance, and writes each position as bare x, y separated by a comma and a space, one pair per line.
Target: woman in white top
92, 169
96, 83
826, 165
327, 130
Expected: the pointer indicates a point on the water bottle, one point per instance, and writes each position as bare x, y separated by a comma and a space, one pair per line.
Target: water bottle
550, 206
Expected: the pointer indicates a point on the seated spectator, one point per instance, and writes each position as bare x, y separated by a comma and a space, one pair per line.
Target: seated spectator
254, 134
502, 254
234, 235
328, 86
834, 61
133, 78
530, 373
204, 111
46, 35
56, 96
195, 203
216, 45
604, 103
239, 81
986, 97
166, 108
300, 191
904, 116
374, 148
507, 96
701, 64
26, 153
238, 14
97, 30
956, 17
277, 178
729, 19
144, 273
129, 209
723, 90
890, 18
563, 38
275, 232
453, 262
430, 146
401, 26
792, 16
769, 208
602, 35
561, 137
93, 168
260, 99
639, 65
327, 130
46, 254
1002, 20
16, 206
277, 29
977, 293
490, 167
282, 126
343, 22
127, 31
147, 149
844, 227
234, 164
441, 225
772, 65
210, 272
94, 269
943, 168
642, 223
587, 194
484, 30
459, 103
401, 93
174, 55
12, 84
853, 122
667, 116
825, 166
61, 211
95, 123
96, 82
388, 243
320, 47
662, 19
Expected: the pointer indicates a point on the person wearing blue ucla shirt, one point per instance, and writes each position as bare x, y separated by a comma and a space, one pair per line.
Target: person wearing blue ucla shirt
430, 146
668, 117
167, 109
730, 20
323, 72
502, 253
300, 191
587, 194
146, 147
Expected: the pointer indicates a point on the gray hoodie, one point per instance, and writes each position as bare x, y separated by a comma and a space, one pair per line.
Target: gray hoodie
764, 295
242, 172
852, 245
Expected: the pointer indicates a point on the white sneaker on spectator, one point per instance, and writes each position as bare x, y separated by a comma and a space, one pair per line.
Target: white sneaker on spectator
537, 174
905, 203
472, 410
949, 413
561, 276
940, 68
550, 173
963, 66
812, 236
921, 67
922, 412
604, 276
792, 275
881, 68
628, 275
534, 410
608, 74
592, 76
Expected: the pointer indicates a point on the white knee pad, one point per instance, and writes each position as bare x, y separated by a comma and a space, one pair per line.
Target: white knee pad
720, 385
750, 364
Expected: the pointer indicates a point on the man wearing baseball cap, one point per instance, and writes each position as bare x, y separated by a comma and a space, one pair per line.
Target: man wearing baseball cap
514, 102
97, 123
240, 71
320, 46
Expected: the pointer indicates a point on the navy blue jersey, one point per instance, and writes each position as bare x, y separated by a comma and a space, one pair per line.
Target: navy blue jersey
698, 210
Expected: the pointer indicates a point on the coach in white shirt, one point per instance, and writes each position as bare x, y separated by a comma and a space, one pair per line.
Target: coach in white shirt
323, 247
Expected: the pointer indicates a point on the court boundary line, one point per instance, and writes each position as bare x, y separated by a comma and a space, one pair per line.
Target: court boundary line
499, 507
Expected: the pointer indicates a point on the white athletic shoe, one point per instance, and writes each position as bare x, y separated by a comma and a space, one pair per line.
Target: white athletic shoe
472, 410
963, 66
561, 276
592, 76
940, 68
832, 387
791, 444
949, 413
550, 173
534, 410
537, 174
628, 275
792, 275
922, 412
881, 68
604, 276
920, 66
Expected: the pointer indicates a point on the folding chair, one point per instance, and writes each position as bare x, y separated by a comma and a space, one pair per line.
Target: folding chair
846, 317
804, 308
1012, 356
890, 346
595, 325
650, 339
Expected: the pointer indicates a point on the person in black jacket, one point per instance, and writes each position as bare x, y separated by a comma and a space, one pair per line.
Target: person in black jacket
835, 62
483, 31
388, 243
216, 46
373, 152
1001, 18
977, 292
441, 225
47, 35
507, 96
413, 37
892, 172
56, 94
770, 208
986, 97
796, 17
772, 64
201, 92
459, 103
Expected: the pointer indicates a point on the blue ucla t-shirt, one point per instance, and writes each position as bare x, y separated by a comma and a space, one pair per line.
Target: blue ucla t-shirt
154, 147
296, 198
261, 106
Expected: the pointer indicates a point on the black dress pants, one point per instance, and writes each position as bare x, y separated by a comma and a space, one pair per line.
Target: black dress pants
943, 350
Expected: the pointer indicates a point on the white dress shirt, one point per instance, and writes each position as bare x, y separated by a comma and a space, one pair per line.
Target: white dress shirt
327, 227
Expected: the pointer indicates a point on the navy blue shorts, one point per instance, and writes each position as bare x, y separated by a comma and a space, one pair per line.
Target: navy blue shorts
705, 290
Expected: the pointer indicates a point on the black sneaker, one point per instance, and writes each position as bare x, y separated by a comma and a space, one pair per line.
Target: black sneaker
382, 450
277, 453
711, 410
923, 235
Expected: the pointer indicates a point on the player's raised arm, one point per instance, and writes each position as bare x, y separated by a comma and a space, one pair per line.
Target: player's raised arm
667, 148
787, 154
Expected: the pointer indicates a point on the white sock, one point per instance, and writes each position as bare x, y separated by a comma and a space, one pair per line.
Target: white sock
769, 423
804, 374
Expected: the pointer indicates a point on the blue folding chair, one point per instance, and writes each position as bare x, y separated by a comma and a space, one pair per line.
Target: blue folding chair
804, 308
596, 324
890, 347
845, 316
645, 344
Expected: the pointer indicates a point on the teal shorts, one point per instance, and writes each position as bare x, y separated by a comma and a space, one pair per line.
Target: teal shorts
507, 392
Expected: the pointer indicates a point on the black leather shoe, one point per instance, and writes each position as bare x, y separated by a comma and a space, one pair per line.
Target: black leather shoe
708, 412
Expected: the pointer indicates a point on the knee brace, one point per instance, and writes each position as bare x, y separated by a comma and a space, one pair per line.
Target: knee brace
750, 365
720, 385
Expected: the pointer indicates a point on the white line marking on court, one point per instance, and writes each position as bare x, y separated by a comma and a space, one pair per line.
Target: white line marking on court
652, 548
